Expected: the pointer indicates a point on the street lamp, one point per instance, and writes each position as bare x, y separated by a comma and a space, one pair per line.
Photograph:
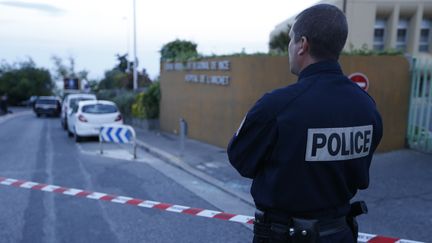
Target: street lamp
135, 63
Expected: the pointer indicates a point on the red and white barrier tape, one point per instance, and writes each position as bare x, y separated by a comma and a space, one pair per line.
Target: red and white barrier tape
127, 200
165, 206
369, 238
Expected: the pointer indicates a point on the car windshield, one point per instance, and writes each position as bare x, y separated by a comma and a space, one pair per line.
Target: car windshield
46, 102
74, 102
99, 109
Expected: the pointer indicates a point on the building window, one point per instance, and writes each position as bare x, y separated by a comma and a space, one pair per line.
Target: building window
425, 36
401, 39
379, 34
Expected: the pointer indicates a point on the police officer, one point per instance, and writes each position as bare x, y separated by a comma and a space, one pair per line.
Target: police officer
308, 146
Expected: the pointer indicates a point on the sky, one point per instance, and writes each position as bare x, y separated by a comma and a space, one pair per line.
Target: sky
93, 32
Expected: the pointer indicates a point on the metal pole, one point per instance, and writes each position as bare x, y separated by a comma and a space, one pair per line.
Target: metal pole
100, 144
414, 76
428, 112
182, 136
135, 149
135, 72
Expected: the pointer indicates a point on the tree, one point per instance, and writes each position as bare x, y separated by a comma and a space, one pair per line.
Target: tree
178, 50
22, 80
121, 77
62, 71
279, 43
124, 64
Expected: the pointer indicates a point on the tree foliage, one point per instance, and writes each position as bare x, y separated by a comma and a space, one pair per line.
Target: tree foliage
62, 70
121, 76
279, 43
178, 50
22, 80
146, 104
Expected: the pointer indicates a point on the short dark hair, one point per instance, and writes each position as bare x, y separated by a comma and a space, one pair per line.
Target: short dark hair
326, 29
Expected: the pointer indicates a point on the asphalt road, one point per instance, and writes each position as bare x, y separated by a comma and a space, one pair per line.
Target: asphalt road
37, 149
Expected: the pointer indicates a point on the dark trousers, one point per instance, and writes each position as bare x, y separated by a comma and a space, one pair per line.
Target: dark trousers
344, 236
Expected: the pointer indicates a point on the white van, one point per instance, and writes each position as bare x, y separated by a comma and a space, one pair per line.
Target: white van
69, 102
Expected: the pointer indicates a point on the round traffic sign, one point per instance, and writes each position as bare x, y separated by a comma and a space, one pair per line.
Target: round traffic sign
360, 79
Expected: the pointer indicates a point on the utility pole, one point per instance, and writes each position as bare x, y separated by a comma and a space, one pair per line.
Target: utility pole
135, 63
344, 6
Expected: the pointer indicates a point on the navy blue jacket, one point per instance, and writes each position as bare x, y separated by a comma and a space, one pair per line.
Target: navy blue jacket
308, 146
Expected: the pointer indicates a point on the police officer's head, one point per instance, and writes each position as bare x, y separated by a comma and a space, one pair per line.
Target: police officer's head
319, 33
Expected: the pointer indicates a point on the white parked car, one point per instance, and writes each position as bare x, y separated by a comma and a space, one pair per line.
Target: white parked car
69, 102
86, 119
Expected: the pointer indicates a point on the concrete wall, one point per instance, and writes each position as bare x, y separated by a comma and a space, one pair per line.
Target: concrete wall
214, 112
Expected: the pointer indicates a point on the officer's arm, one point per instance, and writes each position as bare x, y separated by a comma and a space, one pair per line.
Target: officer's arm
251, 146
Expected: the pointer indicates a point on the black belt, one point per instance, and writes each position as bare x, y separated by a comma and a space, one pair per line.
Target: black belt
326, 226
332, 226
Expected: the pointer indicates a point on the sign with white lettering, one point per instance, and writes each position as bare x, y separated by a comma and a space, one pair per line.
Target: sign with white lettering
335, 144
205, 79
202, 66
198, 66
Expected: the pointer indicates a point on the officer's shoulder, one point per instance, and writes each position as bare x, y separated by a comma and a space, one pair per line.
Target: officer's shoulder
272, 102
284, 95
362, 91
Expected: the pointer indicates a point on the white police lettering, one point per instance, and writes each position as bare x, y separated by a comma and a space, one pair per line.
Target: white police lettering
343, 143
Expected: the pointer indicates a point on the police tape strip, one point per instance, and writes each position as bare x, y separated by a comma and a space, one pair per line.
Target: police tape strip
165, 206
127, 200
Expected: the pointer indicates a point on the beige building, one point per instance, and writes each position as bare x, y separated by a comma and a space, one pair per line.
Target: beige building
405, 25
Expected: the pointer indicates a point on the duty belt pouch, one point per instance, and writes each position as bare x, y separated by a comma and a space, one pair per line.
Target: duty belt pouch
304, 230
261, 226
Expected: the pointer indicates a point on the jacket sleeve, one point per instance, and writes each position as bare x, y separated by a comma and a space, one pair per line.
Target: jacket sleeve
251, 146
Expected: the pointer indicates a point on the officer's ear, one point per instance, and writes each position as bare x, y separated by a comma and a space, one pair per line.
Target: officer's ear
304, 46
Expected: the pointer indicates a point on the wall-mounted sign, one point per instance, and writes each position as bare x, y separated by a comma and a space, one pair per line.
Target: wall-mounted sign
202, 66
198, 66
207, 79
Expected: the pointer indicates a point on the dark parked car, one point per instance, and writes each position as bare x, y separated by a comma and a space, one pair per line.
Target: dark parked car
47, 105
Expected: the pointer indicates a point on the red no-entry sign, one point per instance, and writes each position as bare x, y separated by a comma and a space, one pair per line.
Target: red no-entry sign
360, 79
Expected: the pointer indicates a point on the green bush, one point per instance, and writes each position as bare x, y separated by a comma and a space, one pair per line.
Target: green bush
179, 50
151, 101
138, 106
146, 104
123, 99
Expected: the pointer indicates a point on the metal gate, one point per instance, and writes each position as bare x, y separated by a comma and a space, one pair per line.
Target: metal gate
420, 110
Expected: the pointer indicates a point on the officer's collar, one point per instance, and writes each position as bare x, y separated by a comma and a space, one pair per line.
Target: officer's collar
327, 66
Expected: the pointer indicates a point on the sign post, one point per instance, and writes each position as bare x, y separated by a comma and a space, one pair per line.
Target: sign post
117, 134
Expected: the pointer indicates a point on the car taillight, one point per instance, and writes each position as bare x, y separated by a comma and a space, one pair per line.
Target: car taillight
118, 118
82, 118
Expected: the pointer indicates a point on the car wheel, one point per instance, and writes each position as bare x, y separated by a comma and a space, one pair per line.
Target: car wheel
77, 138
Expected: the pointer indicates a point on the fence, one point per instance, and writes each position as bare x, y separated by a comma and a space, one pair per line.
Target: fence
419, 131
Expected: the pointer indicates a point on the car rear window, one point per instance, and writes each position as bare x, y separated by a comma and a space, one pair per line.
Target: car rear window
46, 102
74, 102
99, 109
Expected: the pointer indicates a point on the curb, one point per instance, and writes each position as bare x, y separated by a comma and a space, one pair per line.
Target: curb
179, 163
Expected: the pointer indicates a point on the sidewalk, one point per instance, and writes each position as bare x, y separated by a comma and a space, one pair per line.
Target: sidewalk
399, 197
205, 161
15, 111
